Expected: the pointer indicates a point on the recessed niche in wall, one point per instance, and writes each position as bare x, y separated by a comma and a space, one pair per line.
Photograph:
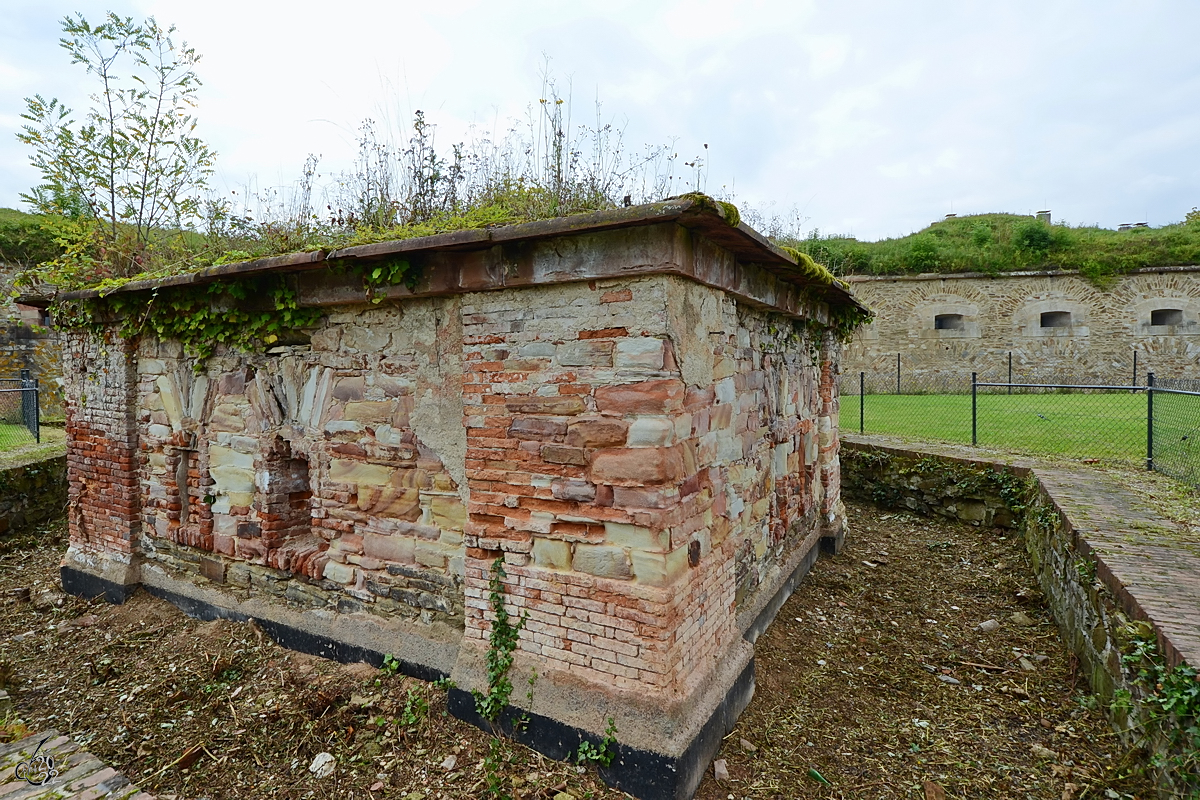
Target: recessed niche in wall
1056, 319
1166, 316
949, 322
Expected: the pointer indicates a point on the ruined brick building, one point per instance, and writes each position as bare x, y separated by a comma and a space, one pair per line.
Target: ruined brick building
635, 409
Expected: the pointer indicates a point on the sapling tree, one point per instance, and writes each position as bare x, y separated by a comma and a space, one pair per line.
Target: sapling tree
129, 172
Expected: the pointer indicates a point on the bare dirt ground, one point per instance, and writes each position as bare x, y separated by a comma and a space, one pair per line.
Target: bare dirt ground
874, 682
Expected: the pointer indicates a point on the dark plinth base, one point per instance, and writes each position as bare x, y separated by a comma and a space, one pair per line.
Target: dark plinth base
645, 774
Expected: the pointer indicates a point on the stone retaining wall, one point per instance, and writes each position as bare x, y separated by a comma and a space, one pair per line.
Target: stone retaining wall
1113, 573
947, 326
32, 493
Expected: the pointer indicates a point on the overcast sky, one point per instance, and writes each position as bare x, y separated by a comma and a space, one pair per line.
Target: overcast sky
869, 118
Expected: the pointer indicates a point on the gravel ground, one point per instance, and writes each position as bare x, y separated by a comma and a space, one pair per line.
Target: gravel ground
875, 677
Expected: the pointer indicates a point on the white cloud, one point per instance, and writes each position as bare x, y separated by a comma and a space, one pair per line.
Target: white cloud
872, 117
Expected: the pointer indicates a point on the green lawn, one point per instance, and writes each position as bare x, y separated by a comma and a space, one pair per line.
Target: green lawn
1107, 426
17, 446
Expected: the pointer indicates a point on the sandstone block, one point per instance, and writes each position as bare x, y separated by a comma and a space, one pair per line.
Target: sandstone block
538, 350
536, 428
644, 497
726, 391
551, 553
151, 366
447, 512
651, 432
621, 534
579, 491
396, 549
347, 389
593, 433
232, 480
560, 454
390, 502
559, 406
642, 352
227, 416
643, 466
602, 561
359, 472
586, 353
433, 554
646, 397
365, 339
659, 569
369, 412
219, 456
339, 573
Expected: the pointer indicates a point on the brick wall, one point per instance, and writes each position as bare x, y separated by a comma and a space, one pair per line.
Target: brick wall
640, 452
102, 452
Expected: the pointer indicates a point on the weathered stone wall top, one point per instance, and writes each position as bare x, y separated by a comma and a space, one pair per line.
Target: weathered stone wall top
684, 236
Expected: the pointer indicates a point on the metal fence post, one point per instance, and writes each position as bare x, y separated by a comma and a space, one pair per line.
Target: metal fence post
1135, 367
897, 373
974, 415
862, 382
1010, 371
29, 405
1150, 421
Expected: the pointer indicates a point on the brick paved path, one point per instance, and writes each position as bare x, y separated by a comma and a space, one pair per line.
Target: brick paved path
1150, 564
81, 776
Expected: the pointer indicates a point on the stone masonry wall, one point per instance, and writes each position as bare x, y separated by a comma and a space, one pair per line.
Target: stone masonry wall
1003, 313
644, 453
24, 347
32, 493
310, 473
640, 452
636, 411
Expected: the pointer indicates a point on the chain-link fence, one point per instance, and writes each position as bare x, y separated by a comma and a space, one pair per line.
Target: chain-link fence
1156, 424
1174, 435
20, 420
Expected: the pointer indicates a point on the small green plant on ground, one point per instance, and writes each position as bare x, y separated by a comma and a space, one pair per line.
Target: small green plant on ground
1172, 696
601, 754
415, 709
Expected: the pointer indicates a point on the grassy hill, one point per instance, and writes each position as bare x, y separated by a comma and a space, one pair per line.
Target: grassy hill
26, 239
1005, 242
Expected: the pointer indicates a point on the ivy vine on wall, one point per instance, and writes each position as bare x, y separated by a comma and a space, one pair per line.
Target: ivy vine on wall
243, 313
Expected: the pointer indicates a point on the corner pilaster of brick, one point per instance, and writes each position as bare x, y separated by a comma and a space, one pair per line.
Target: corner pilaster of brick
100, 373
